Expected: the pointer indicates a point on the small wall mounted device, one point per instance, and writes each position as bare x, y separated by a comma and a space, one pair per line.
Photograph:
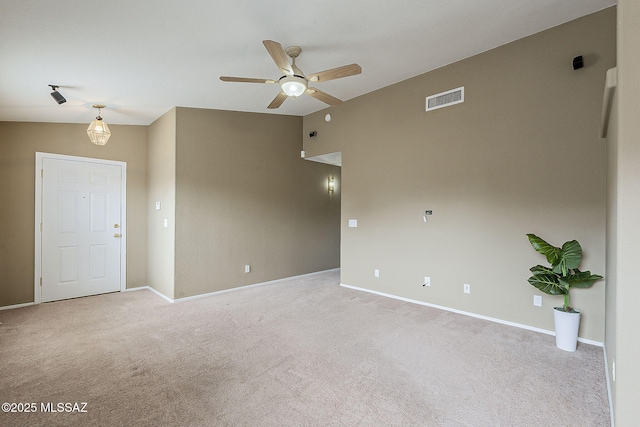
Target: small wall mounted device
577, 63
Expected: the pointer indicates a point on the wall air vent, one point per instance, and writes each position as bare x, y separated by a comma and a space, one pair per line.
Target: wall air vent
445, 99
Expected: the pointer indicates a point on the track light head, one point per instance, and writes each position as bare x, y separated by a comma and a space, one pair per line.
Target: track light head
57, 95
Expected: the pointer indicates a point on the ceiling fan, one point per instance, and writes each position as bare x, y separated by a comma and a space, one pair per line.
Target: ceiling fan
294, 83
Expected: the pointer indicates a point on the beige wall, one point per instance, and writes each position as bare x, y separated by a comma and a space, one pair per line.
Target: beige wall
521, 154
268, 207
244, 196
18, 144
162, 188
623, 317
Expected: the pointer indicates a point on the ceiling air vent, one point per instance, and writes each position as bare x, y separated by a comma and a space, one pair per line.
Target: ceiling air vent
445, 99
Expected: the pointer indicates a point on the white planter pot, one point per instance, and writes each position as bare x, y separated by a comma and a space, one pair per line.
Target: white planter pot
566, 325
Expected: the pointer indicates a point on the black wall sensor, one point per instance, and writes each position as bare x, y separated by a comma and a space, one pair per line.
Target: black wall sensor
577, 63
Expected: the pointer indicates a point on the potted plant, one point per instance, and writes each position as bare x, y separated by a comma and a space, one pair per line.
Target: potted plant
558, 280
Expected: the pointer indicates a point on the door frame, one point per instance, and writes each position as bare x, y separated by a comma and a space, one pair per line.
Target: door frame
37, 279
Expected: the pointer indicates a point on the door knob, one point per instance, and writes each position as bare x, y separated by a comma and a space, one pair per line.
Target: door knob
117, 235
116, 226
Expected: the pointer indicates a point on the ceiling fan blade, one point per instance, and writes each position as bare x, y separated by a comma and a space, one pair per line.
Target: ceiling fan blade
279, 56
277, 101
245, 80
323, 96
336, 73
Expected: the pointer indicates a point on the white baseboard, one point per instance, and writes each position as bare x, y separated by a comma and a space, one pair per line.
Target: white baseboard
608, 380
271, 282
139, 288
149, 288
255, 285
587, 341
466, 313
11, 307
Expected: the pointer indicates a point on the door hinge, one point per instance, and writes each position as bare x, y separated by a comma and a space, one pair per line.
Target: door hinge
41, 227
41, 173
41, 281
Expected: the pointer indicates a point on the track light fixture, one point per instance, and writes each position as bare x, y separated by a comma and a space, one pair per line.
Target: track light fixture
57, 95
98, 130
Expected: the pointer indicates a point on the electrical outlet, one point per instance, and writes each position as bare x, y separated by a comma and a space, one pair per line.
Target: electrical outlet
427, 281
376, 273
467, 288
247, 268
537, 300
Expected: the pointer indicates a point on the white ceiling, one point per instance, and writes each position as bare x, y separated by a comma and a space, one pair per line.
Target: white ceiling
143, 57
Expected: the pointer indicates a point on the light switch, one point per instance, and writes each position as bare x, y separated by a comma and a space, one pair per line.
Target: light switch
166, 223
157, 206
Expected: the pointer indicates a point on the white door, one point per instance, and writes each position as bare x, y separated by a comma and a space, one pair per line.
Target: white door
81, 228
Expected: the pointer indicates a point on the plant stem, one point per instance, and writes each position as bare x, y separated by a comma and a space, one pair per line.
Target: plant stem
567, 303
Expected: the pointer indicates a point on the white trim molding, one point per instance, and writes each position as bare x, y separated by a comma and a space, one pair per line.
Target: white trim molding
466, 313
608, 380
149, 288
11, 307
239, 288
255, 285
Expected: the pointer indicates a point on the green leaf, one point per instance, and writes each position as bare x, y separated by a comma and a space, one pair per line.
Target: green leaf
570, 257
551, 252
548, 283
541, 269
582, 279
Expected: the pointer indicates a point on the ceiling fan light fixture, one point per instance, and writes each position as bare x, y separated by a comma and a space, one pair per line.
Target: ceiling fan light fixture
293, 86
294, 82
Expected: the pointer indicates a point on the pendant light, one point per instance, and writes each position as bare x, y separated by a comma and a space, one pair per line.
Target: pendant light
98, 130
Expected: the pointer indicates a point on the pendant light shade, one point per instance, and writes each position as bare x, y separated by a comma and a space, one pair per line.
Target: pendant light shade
98, 130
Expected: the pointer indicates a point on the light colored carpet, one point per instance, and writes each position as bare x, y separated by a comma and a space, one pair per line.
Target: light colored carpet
300, 352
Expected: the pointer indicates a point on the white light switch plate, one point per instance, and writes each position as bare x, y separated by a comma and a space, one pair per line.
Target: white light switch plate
353, 223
